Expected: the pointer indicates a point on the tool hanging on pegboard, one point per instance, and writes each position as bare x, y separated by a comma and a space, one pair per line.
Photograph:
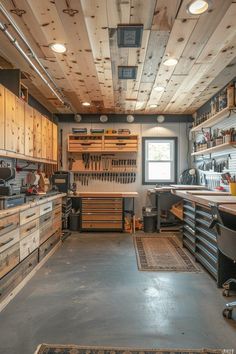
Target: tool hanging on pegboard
118, 177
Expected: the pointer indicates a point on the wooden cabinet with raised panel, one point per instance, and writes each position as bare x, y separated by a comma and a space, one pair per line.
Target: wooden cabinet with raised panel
20, 125
49, 140
2, 117
37, 134
10, 121
44, 138
29, 131
54, 142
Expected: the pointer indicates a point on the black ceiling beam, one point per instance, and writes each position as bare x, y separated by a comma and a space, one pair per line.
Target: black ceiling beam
122, 118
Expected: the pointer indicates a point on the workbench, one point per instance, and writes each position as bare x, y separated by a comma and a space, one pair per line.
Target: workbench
199, 239
104, 211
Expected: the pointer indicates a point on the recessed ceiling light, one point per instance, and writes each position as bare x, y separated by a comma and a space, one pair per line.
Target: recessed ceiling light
159, 88
170, 62
103, 118
86, 104
58, 47
153, 105
198, 7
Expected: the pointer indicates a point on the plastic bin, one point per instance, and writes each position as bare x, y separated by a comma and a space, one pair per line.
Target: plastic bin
149, 222
74, 221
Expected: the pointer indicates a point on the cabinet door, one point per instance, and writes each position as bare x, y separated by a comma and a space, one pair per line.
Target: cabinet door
20, 125
29, 131
2, 117
37, 134
10, 126
54, 142
49, 140
44, 138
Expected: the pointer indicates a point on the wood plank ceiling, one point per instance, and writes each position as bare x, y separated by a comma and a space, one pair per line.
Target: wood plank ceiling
205, 47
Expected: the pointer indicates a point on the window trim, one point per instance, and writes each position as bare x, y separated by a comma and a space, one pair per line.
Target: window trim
175, 140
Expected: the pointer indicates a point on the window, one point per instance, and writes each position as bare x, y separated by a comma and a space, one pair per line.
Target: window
159, 160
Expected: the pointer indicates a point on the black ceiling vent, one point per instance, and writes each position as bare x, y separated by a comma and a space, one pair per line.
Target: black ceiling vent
127, 72
129, 36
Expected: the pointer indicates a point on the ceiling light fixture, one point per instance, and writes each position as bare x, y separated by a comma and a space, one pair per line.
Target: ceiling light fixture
58, 47
130, 118
86, 104
103, 118
159, 88
170, 62
153, 106
160, 119
198, 7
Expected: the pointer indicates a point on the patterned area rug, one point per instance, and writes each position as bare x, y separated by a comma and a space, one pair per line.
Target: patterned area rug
74, 349
162, 253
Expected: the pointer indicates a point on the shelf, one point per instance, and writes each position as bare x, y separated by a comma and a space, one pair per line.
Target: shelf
215, 119
214, 149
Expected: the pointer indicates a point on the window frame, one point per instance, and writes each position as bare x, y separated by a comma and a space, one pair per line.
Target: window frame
172, 138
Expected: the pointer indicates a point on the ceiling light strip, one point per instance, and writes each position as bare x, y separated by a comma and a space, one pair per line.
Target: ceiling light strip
21, 35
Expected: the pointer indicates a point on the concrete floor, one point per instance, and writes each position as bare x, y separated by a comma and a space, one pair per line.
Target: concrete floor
91, 293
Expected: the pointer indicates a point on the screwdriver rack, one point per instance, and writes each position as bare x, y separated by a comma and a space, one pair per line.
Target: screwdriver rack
118, 177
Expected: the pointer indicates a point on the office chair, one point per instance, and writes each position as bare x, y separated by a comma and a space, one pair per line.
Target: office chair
226, 241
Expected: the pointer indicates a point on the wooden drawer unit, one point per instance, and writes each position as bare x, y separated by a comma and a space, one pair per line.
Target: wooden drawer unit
29, 244
45, 229
12, 279
57, 203
80, 143
124, 143
29, 215
48, 245
29, 228
9, 223
9, 239
45, 208
9, 259
189, 238
102, 214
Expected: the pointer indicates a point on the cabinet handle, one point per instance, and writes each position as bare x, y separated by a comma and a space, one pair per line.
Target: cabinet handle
46, 208
31, 228
85, 144
30, 216
57, 213
121, 144
46, 219
6, 226
6, 242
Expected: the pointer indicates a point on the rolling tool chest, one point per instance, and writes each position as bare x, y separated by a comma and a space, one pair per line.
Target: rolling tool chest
101, 214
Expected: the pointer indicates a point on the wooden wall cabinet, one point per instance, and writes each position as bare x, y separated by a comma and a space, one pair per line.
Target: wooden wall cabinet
37, 134
24, 132
10, 121
49, 140
20, 126
2, 117
29, 131
54, 142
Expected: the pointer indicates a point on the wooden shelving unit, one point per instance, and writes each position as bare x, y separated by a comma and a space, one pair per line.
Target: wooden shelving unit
215, 119
215, 149
109, 143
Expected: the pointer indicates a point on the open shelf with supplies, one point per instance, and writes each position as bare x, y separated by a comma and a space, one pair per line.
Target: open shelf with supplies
215, 119
216, 148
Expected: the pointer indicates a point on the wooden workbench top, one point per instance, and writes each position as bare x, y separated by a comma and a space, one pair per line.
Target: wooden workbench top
25, 206
105, 194
228, 208
205, 199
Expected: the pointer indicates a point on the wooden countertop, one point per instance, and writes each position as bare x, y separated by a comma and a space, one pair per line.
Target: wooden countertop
105, 194
228, 208
25, 206
206, 199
